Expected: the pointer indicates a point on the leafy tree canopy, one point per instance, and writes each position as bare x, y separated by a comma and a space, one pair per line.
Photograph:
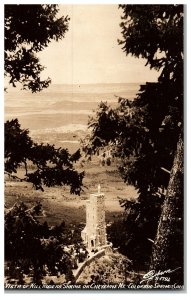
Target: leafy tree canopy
155, 32
32, 248
139, 130
51, 166
28, 30
143, 132
35, 249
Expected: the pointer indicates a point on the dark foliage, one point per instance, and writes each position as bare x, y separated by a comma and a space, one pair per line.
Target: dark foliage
155, 32
28, 30
143, 133
52, 166
133, 235
35, 249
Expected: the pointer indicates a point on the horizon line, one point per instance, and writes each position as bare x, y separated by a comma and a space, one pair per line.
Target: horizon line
96, 83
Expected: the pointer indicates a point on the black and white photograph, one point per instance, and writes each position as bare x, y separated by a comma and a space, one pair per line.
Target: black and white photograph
94, 147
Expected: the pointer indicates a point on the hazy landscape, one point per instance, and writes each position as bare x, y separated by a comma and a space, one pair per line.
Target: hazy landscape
60, 113
94, 147
59, 116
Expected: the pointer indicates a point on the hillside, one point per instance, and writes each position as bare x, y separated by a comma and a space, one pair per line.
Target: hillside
59, 205
110, 269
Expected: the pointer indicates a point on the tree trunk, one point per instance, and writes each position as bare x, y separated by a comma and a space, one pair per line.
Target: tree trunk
168, 246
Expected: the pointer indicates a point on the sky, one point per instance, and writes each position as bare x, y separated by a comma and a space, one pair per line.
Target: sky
57, 58
90, 53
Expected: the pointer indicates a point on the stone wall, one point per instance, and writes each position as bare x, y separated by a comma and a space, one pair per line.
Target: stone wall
94, 234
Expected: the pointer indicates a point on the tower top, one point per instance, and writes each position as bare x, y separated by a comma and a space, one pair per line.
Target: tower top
96, 195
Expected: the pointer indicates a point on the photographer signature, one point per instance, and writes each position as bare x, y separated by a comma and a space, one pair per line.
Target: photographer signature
159, 275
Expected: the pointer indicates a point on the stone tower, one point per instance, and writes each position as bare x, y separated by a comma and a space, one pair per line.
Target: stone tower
94, 233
